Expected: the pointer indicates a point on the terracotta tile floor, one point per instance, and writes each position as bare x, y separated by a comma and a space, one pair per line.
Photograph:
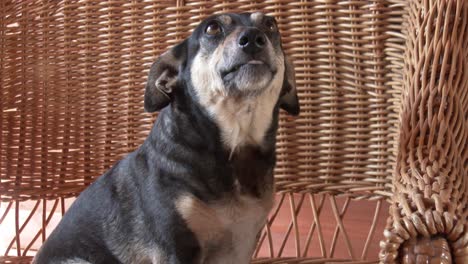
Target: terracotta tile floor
357, 222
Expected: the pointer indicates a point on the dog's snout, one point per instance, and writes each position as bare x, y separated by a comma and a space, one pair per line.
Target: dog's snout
252, 40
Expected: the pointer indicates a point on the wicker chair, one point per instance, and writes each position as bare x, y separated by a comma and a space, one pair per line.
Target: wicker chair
383, 86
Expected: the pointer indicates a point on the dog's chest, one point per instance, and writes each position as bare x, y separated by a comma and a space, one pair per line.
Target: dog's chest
243, 222
226, 229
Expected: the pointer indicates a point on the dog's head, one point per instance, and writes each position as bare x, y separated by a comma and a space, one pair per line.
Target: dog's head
227, 56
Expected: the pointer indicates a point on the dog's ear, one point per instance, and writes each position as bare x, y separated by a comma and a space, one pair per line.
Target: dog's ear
162, 78
288, 100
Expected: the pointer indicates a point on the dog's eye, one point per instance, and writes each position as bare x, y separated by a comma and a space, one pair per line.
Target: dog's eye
213, 28
271, 25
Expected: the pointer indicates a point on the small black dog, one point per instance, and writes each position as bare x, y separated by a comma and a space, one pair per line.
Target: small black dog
200, 187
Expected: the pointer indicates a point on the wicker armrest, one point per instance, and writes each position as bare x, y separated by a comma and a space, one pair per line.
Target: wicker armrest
428, 216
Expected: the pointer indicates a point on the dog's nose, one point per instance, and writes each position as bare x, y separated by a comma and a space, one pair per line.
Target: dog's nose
252, 40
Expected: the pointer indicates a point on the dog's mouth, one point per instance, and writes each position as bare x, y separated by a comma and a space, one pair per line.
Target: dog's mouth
250, 66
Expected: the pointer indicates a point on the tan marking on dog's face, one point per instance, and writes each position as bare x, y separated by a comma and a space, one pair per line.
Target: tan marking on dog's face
204, 73
207, 65
242, 110
225, 19
257, 17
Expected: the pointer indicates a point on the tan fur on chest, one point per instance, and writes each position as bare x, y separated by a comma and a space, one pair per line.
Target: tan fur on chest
225, 229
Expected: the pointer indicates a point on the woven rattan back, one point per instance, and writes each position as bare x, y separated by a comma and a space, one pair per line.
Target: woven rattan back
73, 75
72, 81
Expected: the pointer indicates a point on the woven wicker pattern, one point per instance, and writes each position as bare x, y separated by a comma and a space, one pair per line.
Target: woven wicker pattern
431, 175
73, 75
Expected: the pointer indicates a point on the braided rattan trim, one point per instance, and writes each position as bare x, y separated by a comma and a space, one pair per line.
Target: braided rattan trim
431, 177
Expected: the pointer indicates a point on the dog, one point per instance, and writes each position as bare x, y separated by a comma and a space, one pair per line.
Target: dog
200, 187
